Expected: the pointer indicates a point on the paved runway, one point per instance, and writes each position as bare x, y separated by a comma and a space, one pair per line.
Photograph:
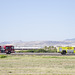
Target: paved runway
50, 54
38, 54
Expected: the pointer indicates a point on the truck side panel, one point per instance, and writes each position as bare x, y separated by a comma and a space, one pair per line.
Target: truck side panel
67, 49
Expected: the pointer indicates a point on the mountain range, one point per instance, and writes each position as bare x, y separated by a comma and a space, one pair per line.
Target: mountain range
19, 43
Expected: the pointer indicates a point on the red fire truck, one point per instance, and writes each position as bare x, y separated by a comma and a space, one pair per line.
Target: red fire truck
0, 49
8, 49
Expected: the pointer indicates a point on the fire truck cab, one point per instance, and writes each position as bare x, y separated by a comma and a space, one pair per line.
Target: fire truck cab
8, 49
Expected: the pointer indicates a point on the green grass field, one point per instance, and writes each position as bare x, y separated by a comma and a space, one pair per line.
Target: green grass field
37, 65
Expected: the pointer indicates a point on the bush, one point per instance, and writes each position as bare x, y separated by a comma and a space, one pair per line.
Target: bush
52, 51
3, 56
40, 51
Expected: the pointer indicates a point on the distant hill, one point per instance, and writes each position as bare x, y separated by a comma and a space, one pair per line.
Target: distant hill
68, 42
70, 39
3, 43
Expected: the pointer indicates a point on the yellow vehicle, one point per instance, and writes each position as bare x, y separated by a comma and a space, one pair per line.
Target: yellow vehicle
64, 50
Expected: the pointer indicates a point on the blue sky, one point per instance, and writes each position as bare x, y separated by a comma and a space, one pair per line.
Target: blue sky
37, 20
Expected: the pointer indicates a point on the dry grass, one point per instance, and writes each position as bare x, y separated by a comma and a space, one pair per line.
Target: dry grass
37, 65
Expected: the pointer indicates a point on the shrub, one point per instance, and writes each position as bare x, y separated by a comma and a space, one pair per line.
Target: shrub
3, 56
40, 51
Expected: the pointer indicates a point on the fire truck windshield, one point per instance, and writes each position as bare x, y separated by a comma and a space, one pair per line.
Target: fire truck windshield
9, 47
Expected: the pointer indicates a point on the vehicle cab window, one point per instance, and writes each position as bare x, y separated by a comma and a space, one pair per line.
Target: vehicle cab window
12, 47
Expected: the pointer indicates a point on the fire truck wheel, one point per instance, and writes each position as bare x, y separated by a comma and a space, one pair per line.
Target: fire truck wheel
9, 52
63, 52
